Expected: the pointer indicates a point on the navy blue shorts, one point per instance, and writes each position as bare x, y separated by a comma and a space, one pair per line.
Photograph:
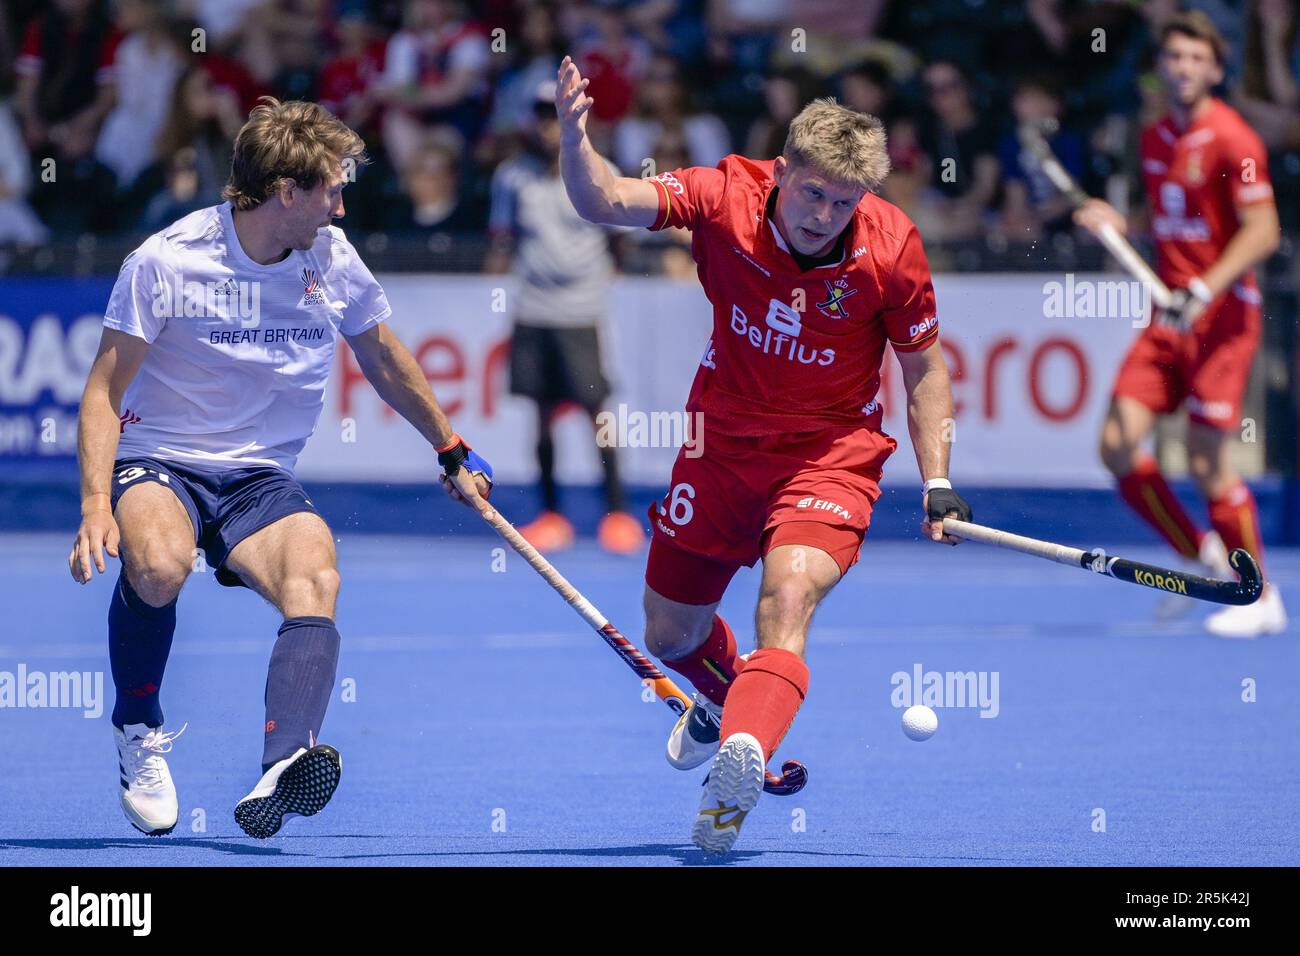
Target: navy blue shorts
225, 505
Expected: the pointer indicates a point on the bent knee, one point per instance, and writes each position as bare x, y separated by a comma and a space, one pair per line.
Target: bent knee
670, 636
156, 573
312, 592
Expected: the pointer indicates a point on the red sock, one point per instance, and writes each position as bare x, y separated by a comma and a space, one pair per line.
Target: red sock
766, 697
1236, 518
1147, 492
712, 667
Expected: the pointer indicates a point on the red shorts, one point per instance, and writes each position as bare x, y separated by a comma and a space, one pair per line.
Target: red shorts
744, 496
1207, 367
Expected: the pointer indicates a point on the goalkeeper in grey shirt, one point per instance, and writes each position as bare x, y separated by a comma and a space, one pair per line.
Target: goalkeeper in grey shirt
563, 266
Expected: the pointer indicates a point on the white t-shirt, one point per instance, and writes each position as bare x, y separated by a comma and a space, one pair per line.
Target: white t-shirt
239, 352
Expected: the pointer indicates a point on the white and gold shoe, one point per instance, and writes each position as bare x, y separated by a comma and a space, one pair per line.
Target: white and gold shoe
732, 789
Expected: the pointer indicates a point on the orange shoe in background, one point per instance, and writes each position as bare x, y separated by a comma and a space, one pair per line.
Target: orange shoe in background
620, 533
549, 531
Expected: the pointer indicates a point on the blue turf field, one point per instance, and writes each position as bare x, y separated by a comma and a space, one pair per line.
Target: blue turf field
482, 699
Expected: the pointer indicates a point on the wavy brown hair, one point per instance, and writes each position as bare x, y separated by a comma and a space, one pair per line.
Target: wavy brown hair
294, 140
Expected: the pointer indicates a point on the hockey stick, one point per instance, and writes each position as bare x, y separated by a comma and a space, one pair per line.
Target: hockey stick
1031, 138
1245, 591
793, 774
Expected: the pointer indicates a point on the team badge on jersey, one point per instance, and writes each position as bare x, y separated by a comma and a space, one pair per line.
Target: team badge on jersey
837, 291
311, 291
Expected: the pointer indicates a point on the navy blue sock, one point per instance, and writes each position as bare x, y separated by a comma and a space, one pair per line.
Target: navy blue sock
139, 640
299, 683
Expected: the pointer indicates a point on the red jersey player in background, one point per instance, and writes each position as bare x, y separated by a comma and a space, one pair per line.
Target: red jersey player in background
809, 274
1214, 220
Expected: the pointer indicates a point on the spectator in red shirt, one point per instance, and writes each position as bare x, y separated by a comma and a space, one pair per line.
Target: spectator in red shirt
345, 83
435, 73
65, 71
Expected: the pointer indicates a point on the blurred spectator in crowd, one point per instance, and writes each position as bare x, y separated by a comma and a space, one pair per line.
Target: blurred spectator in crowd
826, 36
868, 87
223, 21
676, 28
184, 190
146, 65
65, 90
951, 31
1268, 95
192, 151
909, 170
433, 200
1031, 205
435, 73
960, 151
1100, 47
18, 223
347, 79
785, 93
663, 251
282, 42
739, 44
563, 267
663, 103
533, 60
613, 60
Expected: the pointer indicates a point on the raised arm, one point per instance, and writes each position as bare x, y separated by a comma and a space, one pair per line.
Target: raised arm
597, 194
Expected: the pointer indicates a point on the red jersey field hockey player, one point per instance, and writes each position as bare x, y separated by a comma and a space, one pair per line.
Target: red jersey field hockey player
810, 274
1213, 218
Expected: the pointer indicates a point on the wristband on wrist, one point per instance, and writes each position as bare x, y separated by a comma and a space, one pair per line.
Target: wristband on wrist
932, 483
1197, 287
455, 440
451, 456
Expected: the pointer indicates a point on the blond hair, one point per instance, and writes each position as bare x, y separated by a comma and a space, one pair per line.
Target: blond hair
839, 143
294, 140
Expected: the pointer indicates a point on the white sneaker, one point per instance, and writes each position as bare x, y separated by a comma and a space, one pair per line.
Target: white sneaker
1265, 616
1212, 561
148, 793
732, 789
695, 736
297, 786
1213, 557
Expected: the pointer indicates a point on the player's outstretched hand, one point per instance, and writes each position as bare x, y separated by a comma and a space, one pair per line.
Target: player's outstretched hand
572, 101
1095, 213
943, 503
466, 475
98, 533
